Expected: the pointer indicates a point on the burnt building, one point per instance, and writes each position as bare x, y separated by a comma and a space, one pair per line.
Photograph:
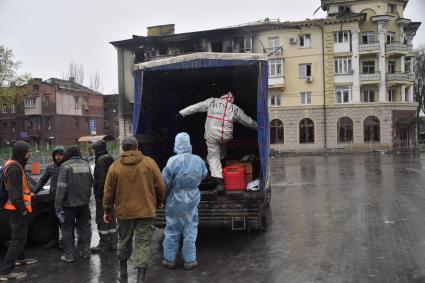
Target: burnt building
52, 112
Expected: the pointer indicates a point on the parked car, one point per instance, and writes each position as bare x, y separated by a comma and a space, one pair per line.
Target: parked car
37, 221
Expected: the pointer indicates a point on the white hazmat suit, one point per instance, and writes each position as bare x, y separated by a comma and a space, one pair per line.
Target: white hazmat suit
221, 114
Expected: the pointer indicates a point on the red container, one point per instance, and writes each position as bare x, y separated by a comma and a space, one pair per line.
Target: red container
235, 178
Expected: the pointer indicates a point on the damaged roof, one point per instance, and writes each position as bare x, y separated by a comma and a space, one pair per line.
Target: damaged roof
70, 85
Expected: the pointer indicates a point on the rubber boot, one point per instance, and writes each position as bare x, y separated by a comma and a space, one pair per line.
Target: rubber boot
123, 269
141, 275
219, 185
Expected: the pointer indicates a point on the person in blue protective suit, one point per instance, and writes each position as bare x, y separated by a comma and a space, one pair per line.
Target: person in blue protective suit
182, 176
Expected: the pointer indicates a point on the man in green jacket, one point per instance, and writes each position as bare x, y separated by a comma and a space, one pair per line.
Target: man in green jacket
134, 185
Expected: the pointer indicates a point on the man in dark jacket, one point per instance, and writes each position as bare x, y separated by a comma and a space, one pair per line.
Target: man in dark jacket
18, 206
107, 231
51, 172
72, 203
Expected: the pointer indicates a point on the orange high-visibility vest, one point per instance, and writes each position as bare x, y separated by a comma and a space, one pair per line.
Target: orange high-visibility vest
27, 193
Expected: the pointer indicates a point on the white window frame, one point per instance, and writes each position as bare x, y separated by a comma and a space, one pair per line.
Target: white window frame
4, 109
342, 65
305, 40
273, 45
368, 67
305, 98
30, 102
370, 35
368, 93
391, 36
391, 67
12, 108
392, 95
274, 69
302, 70
342, 36
275, 99
36, 125
343, 95
392, 8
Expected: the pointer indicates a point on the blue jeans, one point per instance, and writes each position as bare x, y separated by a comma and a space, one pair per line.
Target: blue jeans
181, 220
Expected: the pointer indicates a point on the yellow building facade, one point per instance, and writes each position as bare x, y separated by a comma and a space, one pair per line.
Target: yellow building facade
348, 79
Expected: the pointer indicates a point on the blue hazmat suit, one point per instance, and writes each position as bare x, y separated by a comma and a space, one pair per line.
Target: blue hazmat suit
182, 176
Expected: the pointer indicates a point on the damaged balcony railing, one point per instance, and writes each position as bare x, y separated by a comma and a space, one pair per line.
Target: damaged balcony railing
370, 76
398, 46
369, 47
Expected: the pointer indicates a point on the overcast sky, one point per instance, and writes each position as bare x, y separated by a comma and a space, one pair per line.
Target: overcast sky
46, 35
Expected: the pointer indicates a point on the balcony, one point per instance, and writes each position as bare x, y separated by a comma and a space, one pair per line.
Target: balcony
274, 51
399, 76
371, 47
370, 77
277, 82
398, 47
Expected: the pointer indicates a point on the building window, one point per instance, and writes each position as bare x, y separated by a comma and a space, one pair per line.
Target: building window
36, 87
27, 125
76, 122
76, 102
306, 131
344, 9
275, 99
13, 127
392, 8
29, 102
12, 108
305, 98
391, 67
305, 41
247, 42
371, 127
368, 37
36, 125
345, 130
342, 65
4, 108
273, 46
368, 95
343, 95
86, 104
5, 128
276, 132
392, 95
48, 124
275, 68
341, 36
304, 71
408, 64
368, 67
390, 37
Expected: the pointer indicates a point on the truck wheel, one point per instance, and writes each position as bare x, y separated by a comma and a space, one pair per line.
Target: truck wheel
39, 230
265, 218
268, 196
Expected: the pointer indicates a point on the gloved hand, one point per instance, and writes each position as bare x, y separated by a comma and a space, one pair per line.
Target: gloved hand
61, 215
178, 117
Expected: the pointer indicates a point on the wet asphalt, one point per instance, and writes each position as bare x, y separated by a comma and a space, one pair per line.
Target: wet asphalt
347, 218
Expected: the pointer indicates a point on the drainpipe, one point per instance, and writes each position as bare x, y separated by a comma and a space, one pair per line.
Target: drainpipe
324, 89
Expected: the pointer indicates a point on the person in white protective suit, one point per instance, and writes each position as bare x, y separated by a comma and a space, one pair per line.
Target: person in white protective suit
221, 114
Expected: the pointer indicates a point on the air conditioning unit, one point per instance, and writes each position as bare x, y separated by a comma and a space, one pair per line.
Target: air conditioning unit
292, 40
309, 79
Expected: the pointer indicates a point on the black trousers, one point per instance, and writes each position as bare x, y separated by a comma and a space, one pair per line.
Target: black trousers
54, 223
80, 218
18, 240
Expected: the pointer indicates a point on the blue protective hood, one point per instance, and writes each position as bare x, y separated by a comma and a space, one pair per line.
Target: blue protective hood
182, 144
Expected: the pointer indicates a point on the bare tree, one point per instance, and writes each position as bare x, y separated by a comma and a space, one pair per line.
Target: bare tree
76, 72
95, 81
419, 84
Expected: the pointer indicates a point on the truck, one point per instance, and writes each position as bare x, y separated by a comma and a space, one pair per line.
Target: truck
165, 86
